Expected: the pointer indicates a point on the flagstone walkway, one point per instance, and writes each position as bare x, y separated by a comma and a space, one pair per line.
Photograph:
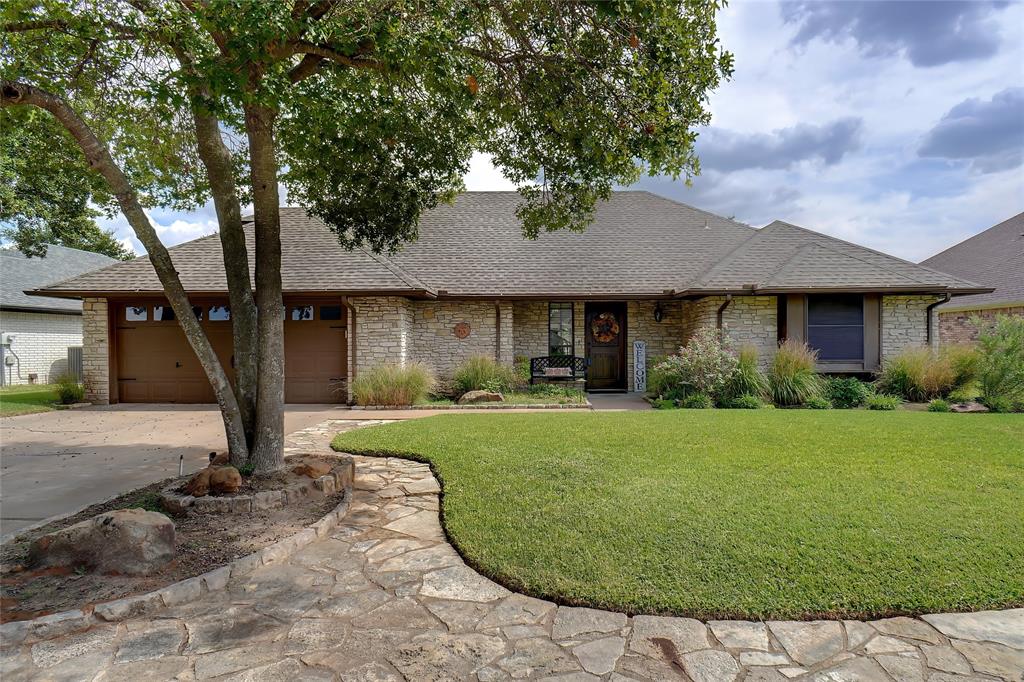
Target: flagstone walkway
386, 598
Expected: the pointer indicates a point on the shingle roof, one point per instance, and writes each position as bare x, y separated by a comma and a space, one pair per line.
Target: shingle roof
639, 244
993, 258
18, 273
783, 257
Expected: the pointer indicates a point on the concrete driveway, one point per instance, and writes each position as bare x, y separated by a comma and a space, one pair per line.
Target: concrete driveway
56, 462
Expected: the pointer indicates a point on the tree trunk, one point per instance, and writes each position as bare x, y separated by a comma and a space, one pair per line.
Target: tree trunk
217, 159
268, 451
100, 160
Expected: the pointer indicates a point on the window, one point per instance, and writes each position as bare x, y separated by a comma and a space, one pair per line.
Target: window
163, 313
835, 327
301, 312
135, 313
197, 310
560, 331
330, 312
219, 313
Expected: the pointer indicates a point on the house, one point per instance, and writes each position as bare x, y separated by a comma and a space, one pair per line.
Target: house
994, 258
647, 270
40, 329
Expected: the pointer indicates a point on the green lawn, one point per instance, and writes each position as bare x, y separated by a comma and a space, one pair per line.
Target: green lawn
27, 399
750, 514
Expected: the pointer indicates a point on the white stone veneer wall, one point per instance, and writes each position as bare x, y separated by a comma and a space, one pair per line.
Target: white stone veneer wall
41, 343
904, 323
382, 331
96, 351
433, 333
662, 338
747, 320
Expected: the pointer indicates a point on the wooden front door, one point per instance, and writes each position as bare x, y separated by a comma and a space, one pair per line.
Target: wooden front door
605, 334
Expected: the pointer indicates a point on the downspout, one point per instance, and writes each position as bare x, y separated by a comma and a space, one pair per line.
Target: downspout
353, 366
497, 332
721, 311
928, 318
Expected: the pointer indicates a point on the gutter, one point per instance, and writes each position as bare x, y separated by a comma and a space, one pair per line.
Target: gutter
928, 318
721, 311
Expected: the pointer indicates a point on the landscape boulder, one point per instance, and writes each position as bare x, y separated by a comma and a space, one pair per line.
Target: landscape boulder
120, 542
473, 397
312, 469
968, 407
224, 480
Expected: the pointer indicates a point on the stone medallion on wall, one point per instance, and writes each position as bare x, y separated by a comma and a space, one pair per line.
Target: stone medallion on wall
461, 330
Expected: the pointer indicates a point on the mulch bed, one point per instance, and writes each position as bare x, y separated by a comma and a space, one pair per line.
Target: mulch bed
203, 542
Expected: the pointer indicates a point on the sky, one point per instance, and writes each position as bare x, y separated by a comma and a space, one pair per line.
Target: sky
896, 125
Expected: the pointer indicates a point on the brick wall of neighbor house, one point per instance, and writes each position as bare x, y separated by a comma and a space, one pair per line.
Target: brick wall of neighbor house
41, 343
96, 351
904, 323
956, 326
433, 338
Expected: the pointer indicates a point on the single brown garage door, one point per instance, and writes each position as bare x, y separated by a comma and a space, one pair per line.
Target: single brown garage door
155, 364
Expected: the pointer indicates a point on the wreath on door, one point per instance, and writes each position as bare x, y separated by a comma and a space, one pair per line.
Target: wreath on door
604, 327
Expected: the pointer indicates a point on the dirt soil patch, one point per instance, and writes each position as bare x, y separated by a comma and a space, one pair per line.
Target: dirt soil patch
203, 542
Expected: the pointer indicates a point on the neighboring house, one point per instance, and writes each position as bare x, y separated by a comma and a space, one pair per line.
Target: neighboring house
647, 270
993, 258
40, 329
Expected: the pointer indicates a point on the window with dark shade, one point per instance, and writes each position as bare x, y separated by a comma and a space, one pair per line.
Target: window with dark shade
163, 313
197, 310
330, 312
560, 329
835, 327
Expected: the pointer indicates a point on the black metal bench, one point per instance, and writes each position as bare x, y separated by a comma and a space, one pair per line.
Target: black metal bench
558, 368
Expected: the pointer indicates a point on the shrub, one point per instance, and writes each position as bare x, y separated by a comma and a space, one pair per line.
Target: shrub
746, 402
1001, 361
557, 392
938, 405
748, 379
393, 384
1006, 405
881, 401
918, 373
69, 390
966, 394
791, 376
697, 401
845, 392
483, 373
817, 403
521, 367
704, 365
662, 404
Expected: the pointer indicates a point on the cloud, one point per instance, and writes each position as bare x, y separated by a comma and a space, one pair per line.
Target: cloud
988, 133
725, 150
928, 33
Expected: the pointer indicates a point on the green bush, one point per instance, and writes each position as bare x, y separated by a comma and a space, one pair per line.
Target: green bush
918, 373
845, 392
521, 367
663, 404
557, 391
881, 401
1001, 361
938, 405
697, 401
966, 394
748, 379
1005, 405
69, 391
791, 376
746, 402
818, 404
483, 373
393, 385
705, 365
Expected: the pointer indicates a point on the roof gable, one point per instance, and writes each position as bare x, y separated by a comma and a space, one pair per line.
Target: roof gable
19, 273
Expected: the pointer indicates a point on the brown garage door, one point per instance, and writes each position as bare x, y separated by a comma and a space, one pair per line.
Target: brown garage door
155, 364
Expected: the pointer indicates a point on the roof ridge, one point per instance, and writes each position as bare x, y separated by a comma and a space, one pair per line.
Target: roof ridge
398, 271
13, 249
704, 274
689, 206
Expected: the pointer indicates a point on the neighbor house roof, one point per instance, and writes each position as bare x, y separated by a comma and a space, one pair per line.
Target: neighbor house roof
19, 273
639, 245
993, 258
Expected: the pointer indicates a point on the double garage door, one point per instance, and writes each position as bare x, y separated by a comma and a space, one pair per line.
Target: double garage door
155, 363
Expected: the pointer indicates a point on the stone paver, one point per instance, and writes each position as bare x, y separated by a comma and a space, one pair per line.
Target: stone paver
386, 599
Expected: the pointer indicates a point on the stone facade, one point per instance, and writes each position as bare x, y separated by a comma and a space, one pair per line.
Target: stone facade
747, 321
41, 342
956, 327
435, 343
904, 323
96, 351
383, 331
662, 338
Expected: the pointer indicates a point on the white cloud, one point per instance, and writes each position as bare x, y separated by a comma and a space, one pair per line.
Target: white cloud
483, 176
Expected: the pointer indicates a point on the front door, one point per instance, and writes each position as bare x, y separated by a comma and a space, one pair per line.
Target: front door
606, 346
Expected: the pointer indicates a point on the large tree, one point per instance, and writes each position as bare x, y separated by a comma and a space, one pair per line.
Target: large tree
368, 111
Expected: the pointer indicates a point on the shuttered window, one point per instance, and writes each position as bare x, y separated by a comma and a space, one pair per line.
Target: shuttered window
835, 327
